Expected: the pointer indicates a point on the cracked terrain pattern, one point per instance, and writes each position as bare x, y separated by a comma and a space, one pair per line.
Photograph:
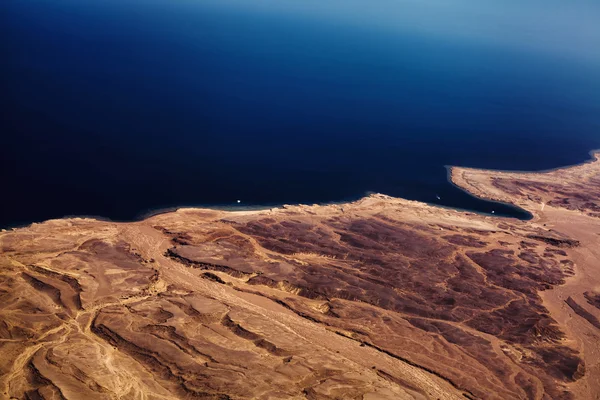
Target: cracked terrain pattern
378, 299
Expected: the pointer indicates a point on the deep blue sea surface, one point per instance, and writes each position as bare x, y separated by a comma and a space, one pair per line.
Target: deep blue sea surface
115, 108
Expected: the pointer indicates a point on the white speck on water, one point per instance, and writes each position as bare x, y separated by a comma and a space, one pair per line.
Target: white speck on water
239, 201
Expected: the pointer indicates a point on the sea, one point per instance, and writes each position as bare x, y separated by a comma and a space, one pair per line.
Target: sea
119, 108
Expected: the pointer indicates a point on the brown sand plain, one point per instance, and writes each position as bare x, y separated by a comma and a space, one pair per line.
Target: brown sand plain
382, 298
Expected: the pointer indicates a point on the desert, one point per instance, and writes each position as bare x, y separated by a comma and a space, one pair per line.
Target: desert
381, 298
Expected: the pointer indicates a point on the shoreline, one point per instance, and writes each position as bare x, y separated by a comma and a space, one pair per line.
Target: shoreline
481, 183
394, 279
594, 157
240, 210
450, 170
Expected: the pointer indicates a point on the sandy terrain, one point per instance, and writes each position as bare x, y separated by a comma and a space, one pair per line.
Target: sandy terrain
382, 298
567, 201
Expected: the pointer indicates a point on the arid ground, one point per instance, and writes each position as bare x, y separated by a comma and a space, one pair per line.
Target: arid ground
382, 298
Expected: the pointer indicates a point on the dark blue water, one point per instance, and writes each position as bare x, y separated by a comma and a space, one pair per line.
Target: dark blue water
115, 108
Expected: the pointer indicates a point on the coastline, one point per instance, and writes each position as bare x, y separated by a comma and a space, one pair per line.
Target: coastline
258, 209
450, 177
594, 157
480, 182
385, 277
